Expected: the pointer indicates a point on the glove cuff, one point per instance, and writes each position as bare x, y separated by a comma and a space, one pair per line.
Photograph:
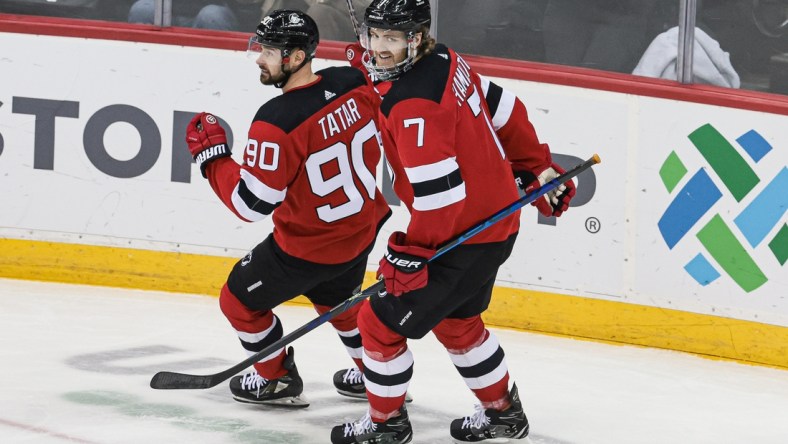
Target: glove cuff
524, 178
206, 156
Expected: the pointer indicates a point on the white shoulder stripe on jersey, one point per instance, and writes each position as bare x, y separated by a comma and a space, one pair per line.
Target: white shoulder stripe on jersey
268, 196
485, 84
505, 104
504, 111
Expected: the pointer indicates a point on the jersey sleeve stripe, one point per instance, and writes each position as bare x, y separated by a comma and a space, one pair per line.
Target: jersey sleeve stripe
436, 185
431, 171
439, 200
255, 200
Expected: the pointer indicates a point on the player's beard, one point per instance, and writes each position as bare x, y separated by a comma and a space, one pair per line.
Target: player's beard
266, 78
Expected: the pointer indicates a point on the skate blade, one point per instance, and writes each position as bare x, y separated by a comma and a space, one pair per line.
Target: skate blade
363, 396
293, 402
522, 440
497, 441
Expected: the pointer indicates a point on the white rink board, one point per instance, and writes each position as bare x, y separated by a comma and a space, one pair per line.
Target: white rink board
626, 260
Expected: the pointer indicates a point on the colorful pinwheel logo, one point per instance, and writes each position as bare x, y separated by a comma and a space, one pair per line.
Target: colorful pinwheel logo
728, 240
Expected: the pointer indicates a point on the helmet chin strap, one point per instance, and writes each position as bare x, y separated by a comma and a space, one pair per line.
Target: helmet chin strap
285, 60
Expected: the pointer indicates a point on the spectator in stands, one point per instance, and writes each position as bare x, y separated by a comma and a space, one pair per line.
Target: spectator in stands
710, 65
229, 15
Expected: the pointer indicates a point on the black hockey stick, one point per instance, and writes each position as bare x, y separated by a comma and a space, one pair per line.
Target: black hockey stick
353, 20
172, 380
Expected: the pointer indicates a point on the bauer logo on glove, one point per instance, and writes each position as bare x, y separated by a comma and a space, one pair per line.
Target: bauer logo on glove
405, 262
404, 267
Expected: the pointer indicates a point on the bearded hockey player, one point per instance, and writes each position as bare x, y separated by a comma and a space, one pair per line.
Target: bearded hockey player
310, 163
457, 145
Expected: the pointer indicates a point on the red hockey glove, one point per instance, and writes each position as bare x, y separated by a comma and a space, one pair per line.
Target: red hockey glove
404, 267
553, 203
206, 139
353, 53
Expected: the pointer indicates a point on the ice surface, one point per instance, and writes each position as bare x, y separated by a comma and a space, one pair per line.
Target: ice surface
75, 363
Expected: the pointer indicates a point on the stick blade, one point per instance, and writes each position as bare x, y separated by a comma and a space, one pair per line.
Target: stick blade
180, 381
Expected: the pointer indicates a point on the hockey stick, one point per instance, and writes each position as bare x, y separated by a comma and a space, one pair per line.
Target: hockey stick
353, 20
172, 380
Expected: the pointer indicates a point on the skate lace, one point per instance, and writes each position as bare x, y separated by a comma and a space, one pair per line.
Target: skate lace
353, 376
360, 427
478, 420
252, 381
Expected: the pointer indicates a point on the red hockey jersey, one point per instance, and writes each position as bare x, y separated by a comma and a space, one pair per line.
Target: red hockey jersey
438, 123
311, 160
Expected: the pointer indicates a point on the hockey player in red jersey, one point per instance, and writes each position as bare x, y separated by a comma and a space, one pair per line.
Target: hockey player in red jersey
310, 162
457, 145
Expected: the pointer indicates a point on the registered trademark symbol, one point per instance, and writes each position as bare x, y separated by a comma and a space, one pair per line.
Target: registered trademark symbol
593, 225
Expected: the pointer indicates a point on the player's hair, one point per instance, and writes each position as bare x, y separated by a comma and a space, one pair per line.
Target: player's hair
427, 41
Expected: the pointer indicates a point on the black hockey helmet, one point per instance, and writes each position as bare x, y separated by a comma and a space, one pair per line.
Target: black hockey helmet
288, 29
400, 15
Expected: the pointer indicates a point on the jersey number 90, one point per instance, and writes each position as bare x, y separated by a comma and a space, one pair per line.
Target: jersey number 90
348, 167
